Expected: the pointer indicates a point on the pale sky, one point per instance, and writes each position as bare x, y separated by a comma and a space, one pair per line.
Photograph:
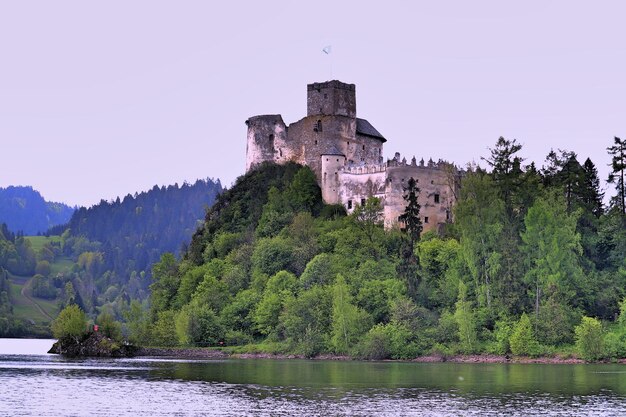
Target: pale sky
100, 99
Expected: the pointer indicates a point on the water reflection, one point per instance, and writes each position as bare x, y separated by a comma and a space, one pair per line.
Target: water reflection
47, 385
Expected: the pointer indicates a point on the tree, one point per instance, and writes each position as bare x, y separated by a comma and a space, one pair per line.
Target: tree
70, 323
618, 166
589, 339
411, 215
552, 247
347, 319
522, 340
369, 217
165, 284
593, 196
479, 215
110, 327
464, 317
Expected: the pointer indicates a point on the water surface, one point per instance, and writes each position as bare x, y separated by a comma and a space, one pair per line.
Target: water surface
33, 383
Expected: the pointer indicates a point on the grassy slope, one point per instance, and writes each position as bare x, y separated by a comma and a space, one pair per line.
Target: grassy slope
24, 304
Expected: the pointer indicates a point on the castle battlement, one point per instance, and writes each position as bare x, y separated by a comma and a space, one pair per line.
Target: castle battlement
346, 154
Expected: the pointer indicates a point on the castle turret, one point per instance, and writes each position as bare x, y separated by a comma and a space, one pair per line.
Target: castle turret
331, 98
266, 134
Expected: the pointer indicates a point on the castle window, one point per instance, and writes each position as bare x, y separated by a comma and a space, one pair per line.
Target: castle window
362, 201
271, 137
349, 204
325, 95
280, 152
316, 142
425, 219
363, 147
380, 151
337, 159
436, 198
318, 126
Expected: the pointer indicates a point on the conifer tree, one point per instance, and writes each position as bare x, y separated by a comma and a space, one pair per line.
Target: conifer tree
592, 198
411, 215
618, 166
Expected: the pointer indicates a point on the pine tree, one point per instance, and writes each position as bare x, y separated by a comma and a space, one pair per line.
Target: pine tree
411, 215
592, 197
618, 166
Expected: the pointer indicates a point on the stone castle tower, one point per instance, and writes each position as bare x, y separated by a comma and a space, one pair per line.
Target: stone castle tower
346, 154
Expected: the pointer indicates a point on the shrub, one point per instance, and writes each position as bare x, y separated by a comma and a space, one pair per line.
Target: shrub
522, 340
71, 322
590, 339
109, 326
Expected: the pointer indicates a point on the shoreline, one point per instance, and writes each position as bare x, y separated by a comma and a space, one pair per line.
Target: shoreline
214, 354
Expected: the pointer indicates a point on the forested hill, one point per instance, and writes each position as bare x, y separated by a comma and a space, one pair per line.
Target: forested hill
532, 265
24, 210
125, 237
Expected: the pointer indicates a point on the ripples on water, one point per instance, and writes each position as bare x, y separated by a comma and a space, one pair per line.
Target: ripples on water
51, 386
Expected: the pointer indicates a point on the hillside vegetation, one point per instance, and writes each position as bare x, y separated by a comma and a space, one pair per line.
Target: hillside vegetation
100, 260
24, 210
533, 264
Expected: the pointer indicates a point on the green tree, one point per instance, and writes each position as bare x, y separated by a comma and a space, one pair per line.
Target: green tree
618, 166
198, 325
347, 320
481, 226
589, 339
165, 283
522, 340
110, 327
411, 215
464, 316
369, 217
552, 247
70, 323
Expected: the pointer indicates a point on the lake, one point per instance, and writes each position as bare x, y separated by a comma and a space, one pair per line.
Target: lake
33, 383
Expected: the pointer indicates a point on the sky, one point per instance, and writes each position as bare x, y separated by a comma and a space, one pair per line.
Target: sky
103, 99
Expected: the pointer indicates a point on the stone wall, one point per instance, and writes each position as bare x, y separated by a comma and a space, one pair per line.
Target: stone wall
331, 97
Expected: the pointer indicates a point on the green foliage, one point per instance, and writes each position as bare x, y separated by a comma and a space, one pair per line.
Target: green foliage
108, 326
590, 339
502, 335
198, 325
466, 322
71, 322
348, 321
272, 255
163, 330
522, 340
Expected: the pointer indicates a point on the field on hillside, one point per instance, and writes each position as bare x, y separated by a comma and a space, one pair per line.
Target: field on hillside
38, 312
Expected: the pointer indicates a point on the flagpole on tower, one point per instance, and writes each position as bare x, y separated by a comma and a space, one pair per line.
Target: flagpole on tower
327, 50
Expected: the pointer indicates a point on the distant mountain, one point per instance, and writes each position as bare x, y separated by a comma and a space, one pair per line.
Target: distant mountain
25, 210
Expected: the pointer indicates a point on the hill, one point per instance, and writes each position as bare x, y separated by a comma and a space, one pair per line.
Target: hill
24, 210
531, 258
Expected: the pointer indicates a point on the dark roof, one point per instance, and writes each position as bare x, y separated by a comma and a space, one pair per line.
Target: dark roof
363, 127
333, 151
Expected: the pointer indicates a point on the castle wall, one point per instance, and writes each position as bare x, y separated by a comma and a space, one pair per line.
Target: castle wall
332, 165
436, 196
359, 183
266, 135
308, 142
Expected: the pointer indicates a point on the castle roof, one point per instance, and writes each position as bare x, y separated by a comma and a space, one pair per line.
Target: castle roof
333, 150
363, 127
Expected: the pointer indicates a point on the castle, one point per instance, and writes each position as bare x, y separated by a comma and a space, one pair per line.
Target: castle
346, 154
